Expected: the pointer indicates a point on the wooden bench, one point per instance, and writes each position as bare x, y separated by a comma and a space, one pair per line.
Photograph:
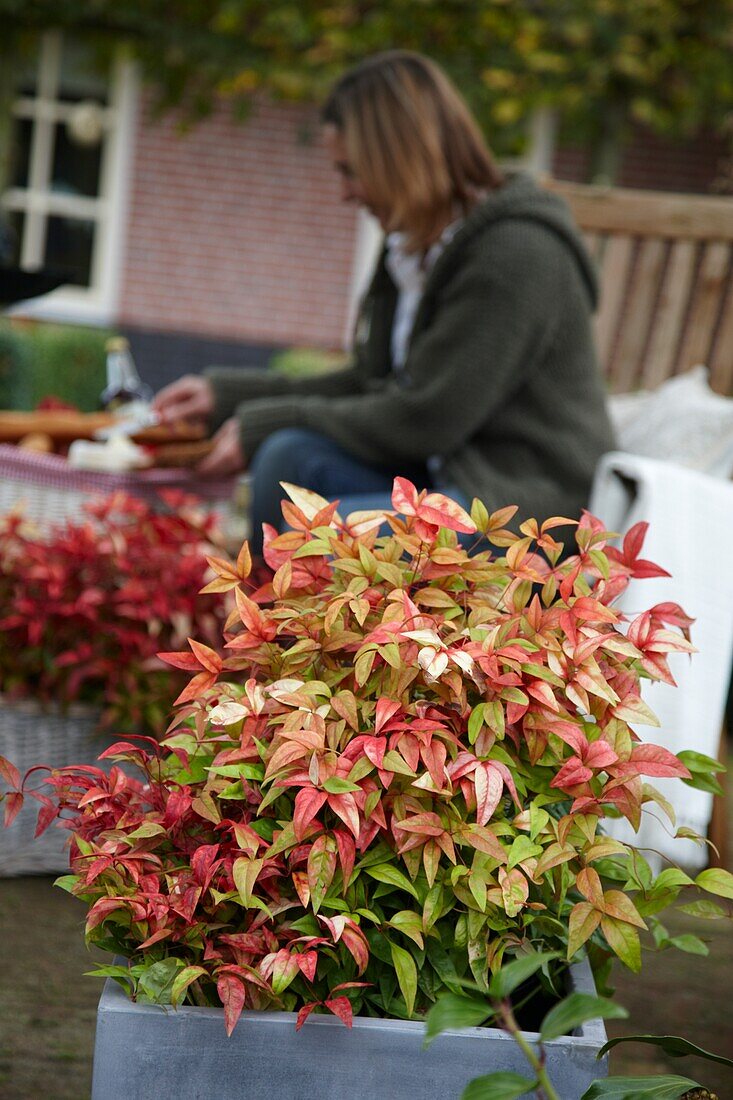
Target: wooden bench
666, 272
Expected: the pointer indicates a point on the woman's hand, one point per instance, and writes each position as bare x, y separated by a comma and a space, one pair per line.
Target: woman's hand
189, 398
226, 455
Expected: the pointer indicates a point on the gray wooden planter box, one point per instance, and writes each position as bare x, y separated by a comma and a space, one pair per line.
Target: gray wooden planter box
148, 1052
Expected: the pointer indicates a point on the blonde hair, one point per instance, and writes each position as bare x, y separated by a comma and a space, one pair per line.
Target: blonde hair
412, 142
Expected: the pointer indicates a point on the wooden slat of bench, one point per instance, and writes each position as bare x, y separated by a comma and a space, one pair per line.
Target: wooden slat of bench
705, 308
640, 301
617, 259
721, 361
687, 321
669, 316
648, 213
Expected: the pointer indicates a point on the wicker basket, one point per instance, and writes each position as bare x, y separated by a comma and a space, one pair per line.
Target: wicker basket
51, 491
30, 735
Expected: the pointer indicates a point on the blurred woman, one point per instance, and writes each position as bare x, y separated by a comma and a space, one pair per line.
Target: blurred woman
473, 368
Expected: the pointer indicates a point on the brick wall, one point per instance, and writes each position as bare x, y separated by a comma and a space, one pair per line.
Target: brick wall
654, 163
236, 231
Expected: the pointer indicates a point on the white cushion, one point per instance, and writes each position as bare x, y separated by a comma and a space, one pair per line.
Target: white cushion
683, 421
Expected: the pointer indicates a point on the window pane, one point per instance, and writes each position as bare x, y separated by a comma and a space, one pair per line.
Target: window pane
20, 152
69, 243
75, 166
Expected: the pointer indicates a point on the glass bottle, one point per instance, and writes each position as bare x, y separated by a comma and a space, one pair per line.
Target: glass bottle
124, 387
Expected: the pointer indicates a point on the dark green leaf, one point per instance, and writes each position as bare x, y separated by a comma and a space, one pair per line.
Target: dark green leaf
575, 1010
673, 1045
454, 1011
498, 1086
706, 910
336, 785
514, 973
156, 981
716, 881
702, 769
699, 762
406, 970
640, 1088
391, 876
66, 882
119, 973
442, 964
693, 945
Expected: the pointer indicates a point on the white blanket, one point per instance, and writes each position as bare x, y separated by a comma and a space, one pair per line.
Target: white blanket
690, 535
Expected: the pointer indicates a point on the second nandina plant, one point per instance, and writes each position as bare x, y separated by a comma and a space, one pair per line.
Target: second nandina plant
394, 779
86, 605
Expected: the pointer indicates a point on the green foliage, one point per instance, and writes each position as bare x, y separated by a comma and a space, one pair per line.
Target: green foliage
498, 1086
297, 362
575, 1009
326, 827
672, 1045
14, 369
662, 1087
40, 360
660, 62
87, 605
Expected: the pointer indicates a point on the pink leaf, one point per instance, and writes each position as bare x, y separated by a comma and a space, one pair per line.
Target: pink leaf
404, 496
344, 805
231, 994
356, 943
341, 1007
347, 854
656, 761
308, 961
202, 862
489, 785
308, 802
386, 709
13, 806
572, 774
374, 750
444, 512
634, 540
9, 772
599, 755
305, 1013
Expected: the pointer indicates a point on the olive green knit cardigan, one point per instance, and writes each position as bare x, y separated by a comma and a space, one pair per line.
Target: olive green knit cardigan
500, 379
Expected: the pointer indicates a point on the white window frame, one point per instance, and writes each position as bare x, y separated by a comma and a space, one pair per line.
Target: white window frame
97, 304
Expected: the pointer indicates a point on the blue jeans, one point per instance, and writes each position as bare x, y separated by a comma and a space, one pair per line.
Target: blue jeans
313, 461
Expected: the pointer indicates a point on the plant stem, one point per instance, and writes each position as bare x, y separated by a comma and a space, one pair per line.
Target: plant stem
536, 1061
197, 995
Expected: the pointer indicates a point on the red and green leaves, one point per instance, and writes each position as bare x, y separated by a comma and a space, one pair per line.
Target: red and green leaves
431, 511
397, 773
322, 861
616, 914
202, 660
86, 607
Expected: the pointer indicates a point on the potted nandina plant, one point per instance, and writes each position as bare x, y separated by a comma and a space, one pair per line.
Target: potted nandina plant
392, 783
84, 608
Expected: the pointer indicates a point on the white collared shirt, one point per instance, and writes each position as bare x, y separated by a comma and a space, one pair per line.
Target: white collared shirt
409, 271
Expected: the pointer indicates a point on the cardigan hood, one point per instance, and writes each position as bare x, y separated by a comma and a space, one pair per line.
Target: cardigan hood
521, 199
